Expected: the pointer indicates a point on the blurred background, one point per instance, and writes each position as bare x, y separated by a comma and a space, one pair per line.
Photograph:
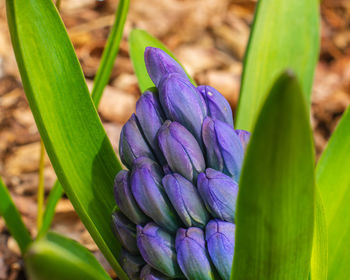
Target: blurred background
208, 37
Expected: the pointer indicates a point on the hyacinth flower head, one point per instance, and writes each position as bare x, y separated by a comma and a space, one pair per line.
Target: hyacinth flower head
176, 203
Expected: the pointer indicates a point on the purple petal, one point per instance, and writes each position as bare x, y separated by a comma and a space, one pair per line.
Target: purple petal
159, 64
217, 105
183, 103
219, 193
157, 248
181, 150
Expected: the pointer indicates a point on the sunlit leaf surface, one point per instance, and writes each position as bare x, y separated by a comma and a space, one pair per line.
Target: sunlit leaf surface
74, 138
275, 207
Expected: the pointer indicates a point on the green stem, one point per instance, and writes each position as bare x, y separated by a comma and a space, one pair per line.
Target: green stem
110, 52
41, 189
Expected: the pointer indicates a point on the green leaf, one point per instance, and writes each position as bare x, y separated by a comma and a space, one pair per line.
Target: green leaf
285, 34
56, 257
102, 76
139, 40
74, 138
54, 196
110, 52
333, 180
319, 260
13, 220
275, 206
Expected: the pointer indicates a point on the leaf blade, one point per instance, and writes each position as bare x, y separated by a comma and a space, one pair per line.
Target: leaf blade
74, 138
285, 34
333, 180
49, 254
271, 221
139, 40
102, 76
13, 219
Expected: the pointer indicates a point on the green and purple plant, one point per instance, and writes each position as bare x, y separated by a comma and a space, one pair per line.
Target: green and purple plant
180, 209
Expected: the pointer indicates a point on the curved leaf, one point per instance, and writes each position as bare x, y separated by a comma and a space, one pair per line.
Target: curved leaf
275, 206
285, 34
13, 220
56, 257
74, 138
139, 40
102, 76
333, 180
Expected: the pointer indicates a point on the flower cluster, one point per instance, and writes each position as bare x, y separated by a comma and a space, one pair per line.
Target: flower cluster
176, 204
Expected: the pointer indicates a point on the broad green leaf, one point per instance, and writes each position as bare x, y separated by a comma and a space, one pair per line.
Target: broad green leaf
333, 180
102, 76
319, 260
54, 196
13, 220
285, 34
275, 206
56, 257
139, 40
74, 138
110, 52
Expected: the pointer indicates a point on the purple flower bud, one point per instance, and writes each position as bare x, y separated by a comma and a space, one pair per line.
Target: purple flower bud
223, 146
220, 237
181, 150
219, 193
157, 248
183, 103
132, 144
186, 200
217, 105
148, 273
126, 232
131, 264
149, 193
192, 256
151, 117
125, 200
159, 64
244, 136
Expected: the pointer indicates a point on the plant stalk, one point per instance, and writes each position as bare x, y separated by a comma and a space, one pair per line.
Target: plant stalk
41, 189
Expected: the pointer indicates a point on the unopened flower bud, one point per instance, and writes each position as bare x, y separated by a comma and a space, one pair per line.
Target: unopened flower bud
125, 199
159, 64
192, 255
157, 248
151, 117
183, 103
146, 186
217, 105
126, 232
223, 147
219, 193
132, 144
181, 150
220, 237
186, 200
